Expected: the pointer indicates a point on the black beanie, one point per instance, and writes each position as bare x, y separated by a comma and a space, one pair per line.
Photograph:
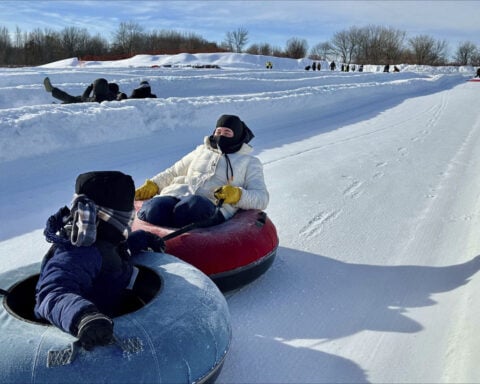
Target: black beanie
110, 189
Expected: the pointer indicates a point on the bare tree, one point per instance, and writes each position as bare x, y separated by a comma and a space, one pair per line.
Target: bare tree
296, 48
128, 38
379, 45
74, 41
428, 51
236, 40
466, 53
321, 51
346, 43
5, 46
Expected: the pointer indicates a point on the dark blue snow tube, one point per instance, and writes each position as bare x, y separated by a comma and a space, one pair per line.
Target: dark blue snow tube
175, 329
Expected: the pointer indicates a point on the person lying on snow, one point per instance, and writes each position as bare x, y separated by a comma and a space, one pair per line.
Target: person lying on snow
143, 92
222, 168
115, 89
98, 91
89, 269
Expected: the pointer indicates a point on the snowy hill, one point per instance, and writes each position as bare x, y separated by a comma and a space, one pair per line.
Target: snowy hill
374, 191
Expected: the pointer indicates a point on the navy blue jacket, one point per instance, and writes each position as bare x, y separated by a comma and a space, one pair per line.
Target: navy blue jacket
75, 281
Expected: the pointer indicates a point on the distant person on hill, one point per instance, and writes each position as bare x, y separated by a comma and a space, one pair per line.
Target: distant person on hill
98, 91
386, 68
333, 66
114, 88
143, 92
478, 73
219, 169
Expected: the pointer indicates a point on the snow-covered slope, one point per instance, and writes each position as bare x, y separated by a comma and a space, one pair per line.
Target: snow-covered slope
374, 192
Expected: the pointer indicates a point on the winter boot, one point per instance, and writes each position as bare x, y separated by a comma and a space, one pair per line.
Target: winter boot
47, 84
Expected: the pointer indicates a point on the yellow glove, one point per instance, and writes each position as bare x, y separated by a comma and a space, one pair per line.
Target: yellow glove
229, 194
146, 191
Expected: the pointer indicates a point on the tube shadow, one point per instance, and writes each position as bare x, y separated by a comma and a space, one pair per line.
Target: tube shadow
307, 299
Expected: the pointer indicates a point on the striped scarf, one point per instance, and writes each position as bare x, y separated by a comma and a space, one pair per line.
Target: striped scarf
84, 220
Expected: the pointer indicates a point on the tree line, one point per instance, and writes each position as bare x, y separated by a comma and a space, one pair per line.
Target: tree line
371, 44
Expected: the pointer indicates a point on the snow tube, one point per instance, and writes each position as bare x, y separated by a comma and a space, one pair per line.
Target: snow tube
175, 329
474, 80
232, 254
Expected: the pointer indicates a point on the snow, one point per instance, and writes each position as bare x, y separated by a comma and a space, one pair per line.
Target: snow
374, 190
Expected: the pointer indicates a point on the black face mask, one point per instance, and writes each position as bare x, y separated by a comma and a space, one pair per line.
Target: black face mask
232, 144
226, 144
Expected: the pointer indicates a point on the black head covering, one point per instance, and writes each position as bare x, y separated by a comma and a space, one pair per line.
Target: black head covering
110, 189
100, 87
113, 87
241, 134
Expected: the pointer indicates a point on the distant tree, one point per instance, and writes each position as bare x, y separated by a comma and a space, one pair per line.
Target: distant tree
428, 51
96, 46
235, 41
466, 53
476, 58
321, 51
5, 46
253, 49
370, 44
260, 49
296, 48
128, 38
278, 52
345, 43
74, 41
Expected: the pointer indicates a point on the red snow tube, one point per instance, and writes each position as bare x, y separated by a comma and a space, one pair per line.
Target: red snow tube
232, 254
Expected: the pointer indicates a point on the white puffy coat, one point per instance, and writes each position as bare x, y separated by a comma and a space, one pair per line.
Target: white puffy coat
204, 170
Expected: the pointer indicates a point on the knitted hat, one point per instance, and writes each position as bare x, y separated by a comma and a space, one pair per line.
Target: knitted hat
144, 84
110, 189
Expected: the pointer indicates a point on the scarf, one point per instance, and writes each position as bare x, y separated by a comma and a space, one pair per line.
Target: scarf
79, 226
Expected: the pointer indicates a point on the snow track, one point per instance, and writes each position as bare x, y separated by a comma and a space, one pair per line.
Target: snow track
374, 189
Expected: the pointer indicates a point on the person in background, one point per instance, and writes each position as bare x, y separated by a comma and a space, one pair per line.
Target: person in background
220, 169
478, 73
98, 91
88, 269
115, 89
143, 91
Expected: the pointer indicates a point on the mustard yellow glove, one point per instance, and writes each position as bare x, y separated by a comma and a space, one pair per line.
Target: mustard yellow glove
229, 194
146, 191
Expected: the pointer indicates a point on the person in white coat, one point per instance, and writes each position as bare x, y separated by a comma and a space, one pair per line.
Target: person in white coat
221, 169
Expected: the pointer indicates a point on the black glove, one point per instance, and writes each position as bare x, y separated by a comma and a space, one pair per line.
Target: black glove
141, 240
156, 243
95, 329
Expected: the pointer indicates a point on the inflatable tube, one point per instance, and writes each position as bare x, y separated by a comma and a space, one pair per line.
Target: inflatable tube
232, 254
474, 80
179, 331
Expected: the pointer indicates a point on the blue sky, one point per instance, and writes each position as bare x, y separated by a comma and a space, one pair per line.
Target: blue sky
272, 22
